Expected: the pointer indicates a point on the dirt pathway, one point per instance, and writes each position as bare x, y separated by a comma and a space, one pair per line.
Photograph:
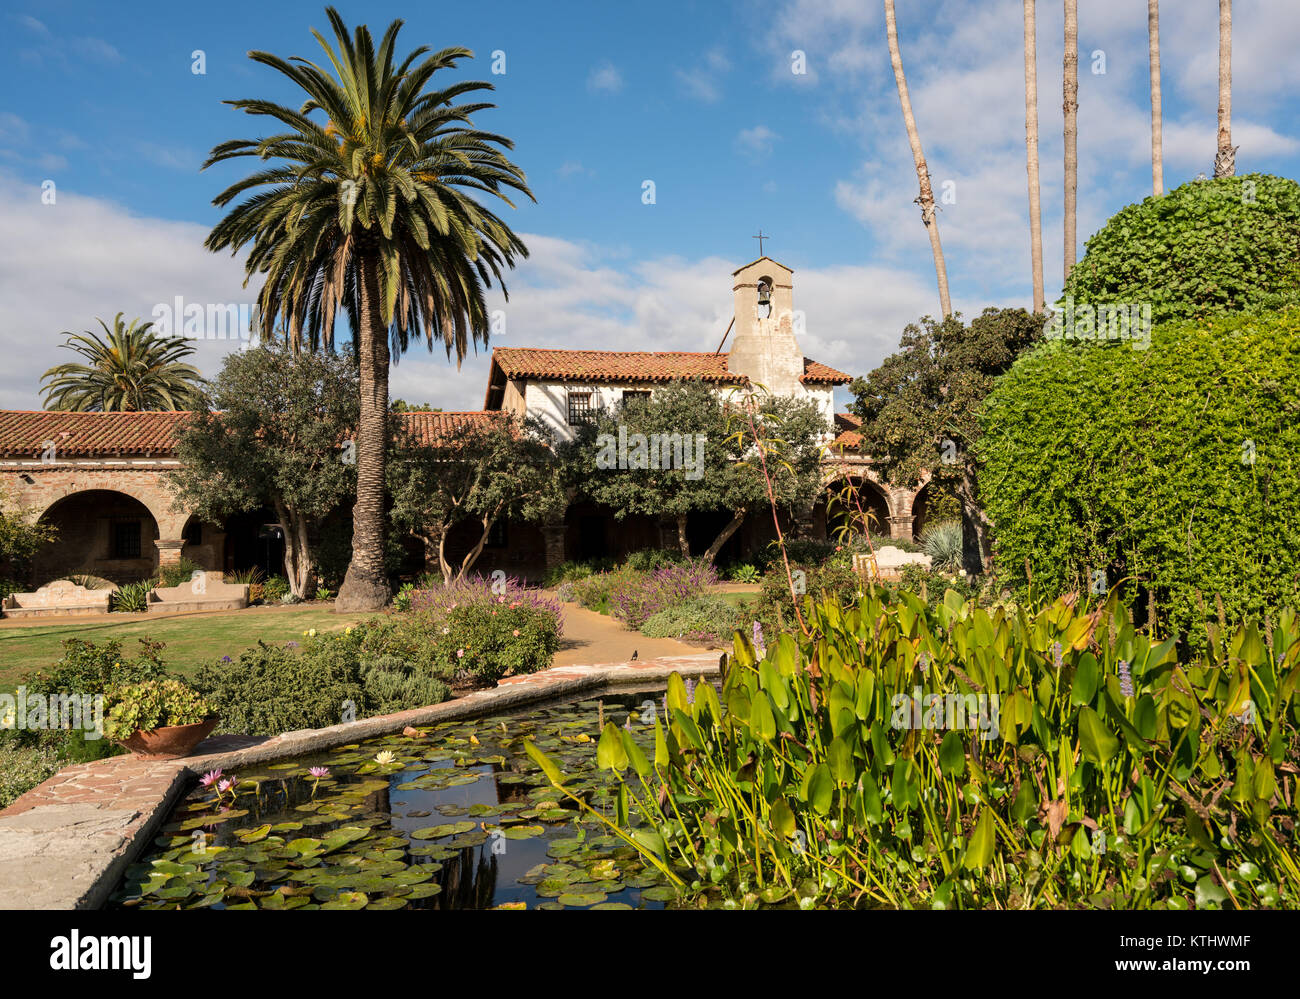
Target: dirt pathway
596, 638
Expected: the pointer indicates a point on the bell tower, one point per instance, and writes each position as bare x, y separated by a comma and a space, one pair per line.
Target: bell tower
765, 349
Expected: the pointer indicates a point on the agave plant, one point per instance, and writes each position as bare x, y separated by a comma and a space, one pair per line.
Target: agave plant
131, 368
371, 200
943, 543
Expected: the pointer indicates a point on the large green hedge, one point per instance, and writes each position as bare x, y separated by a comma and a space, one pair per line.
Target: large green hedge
1207, 247
1137, 463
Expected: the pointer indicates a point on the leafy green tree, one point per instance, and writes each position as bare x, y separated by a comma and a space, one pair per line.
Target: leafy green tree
920, 408
131, 368
402, 406
703, 447
372, 199
1208, 247
278, 435
21, 537
481, 473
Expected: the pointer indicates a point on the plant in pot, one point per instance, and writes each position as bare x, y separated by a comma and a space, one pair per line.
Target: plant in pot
163, 718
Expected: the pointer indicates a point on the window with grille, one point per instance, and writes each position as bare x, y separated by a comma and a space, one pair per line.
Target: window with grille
126, 539
581, 408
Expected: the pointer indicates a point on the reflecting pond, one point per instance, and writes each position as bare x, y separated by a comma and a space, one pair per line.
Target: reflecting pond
456, 818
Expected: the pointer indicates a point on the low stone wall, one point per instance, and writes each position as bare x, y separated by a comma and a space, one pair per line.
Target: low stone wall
67, 843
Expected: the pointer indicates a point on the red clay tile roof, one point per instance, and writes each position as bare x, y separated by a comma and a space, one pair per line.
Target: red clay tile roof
86, 435
23, 433
429, 427
632, 365
846, 432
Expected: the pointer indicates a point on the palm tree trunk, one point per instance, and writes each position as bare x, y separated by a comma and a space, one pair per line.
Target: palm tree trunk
1031, 154
365, 587
926, 199
1157, 121
1225, 163
1071, 108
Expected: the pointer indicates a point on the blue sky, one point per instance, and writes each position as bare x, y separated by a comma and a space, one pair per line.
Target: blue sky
699, 98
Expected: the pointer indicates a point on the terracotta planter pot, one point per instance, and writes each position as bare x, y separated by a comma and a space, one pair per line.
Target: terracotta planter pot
170, 742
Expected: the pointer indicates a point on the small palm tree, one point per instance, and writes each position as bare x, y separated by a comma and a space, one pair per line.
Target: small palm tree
1157, 121
373, 206
1031, 155
131, 368
1071, 109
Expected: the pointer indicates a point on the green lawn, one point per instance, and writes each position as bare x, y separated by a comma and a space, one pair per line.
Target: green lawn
191, 639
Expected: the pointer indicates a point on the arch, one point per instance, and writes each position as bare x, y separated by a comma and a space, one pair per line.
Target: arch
171, 523
873, 499
102, 532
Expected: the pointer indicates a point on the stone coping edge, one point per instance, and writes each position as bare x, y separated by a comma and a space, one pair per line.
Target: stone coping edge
86, 824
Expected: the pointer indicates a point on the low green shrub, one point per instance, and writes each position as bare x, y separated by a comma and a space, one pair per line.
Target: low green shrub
274, 589
176, 575
703, 618
746, 572
392, 684
484, 643
272, 689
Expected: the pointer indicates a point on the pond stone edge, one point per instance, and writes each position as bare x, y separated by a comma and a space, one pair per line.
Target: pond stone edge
66, 843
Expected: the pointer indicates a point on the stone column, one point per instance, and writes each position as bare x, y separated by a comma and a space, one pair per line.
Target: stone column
553, 535
901, 528
169, 551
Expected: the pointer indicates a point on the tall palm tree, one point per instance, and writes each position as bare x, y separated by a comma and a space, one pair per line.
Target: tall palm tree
926, 199
1031, 153
1225, 162
131, 368
1071, 108
1157, 121
372, 208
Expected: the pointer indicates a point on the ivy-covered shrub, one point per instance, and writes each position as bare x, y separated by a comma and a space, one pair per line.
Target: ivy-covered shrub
1209, 246
1170, 472
704, 618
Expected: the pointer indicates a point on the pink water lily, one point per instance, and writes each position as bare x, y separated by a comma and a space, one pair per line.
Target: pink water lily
210, 778
319, 772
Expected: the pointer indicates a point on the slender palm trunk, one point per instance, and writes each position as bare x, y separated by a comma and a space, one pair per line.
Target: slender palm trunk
1157, 121
1031, 154
1225, 163
365, 587
1071, 108
926, 199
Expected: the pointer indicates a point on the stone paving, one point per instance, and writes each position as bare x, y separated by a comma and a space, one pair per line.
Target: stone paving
66, 843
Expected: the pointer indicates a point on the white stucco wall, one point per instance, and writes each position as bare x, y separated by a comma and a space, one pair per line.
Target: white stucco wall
548, 400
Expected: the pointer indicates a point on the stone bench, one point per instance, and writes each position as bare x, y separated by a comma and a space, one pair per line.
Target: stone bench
206, 591
890, 561
59, 597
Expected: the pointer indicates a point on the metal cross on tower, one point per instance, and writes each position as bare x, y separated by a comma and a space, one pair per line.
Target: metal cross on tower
760, 237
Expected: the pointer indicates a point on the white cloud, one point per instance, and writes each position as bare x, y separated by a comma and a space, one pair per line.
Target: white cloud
604, 78
64, 265
756, 141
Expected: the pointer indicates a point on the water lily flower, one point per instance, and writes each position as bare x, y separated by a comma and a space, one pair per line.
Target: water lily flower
223, 786
386, 757
210, 778
319, 772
